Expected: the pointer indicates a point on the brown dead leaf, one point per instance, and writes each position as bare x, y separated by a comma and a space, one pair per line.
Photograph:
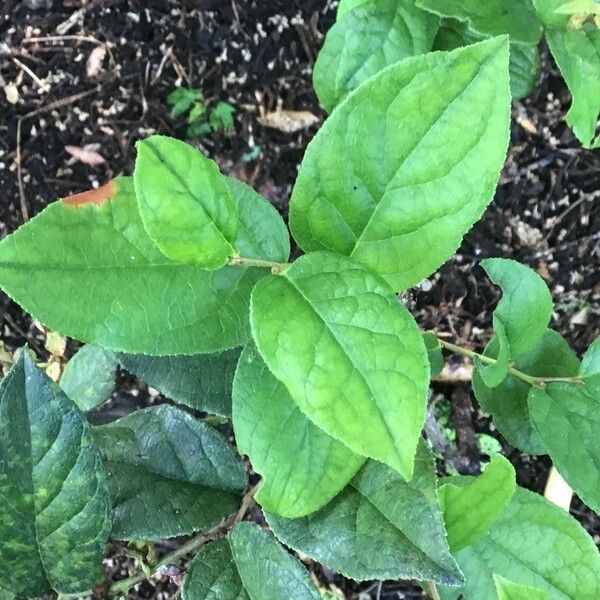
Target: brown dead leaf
93, 65
86, 155
288, 121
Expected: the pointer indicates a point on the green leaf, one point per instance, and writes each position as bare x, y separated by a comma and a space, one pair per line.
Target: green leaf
533, 543
401, 199
55, 513
590, 368
89, 377
302, 467
350, 355
221, 116
6, 595
345, 6
118, 291
434, 353
248, 564
507, 403
184, 202
169, 474
567, 418
524, 62
202, 381
379, 527
509, 590
182, 99
366, 40
526, 304
472, 504
494, 17
493, 374
577, 54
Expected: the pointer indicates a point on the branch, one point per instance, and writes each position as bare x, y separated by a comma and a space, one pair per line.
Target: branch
240, 261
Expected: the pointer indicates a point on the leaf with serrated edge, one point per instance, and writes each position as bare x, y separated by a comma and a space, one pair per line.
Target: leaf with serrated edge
471, 505
509, 590
533, 543
507, 403
401, 199
379, 527
365, 41
577, 54
129, 297
169, 474
202, 381
567, 418
55, 512
89, 377
184, 202
249, 564
350, 355
493, 17
302, 467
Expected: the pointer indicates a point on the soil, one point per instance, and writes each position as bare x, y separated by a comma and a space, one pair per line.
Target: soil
258, 56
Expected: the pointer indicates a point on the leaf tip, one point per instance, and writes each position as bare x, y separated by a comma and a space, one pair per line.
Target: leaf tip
96, 196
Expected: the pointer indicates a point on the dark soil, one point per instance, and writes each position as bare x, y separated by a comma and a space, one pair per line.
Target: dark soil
258, 56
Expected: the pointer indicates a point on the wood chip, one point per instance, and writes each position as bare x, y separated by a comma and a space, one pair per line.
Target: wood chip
86, 155
288, 121
93, 65
12, 93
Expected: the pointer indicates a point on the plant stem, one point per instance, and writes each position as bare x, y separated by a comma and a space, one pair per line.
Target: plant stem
536, 381
432, 589
276, 268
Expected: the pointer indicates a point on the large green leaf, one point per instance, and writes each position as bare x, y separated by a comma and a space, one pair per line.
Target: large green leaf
55, 512
590, 368
398, 193
185, 202
201, 381
248, 564
366, 40
302, 467
493, 17
577, 54
524, 62
533, 543
472, 504
350, 355
89, 377
345, 6
567, 418
379, 527
509, 590
88, 269
169, 474
507, 403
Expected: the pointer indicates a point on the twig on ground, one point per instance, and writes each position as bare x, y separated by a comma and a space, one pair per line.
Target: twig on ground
23, 201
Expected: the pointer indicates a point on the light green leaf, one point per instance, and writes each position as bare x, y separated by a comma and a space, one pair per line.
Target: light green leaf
248, 564
89, 377
55, 513
379, 527
472, 504
434, 353
366, 40
533, 543
577, 54
590, 368
524, 62
345, 6
302, 467
494, 17
526, 304
507, 403
86, 267
202, 381
184, 202
350, 355
401, 199
169, 474
509, 590
567, 418
493, 374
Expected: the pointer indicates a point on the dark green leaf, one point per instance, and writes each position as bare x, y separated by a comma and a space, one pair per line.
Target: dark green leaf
201, 381
169, 474
89, 377
54, 513
248, 564
379, 527
590, 368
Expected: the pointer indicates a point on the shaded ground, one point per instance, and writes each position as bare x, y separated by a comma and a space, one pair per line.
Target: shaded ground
258, 56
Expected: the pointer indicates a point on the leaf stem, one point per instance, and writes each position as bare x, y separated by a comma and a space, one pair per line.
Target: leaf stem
535, 381
432, 590
240, 261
